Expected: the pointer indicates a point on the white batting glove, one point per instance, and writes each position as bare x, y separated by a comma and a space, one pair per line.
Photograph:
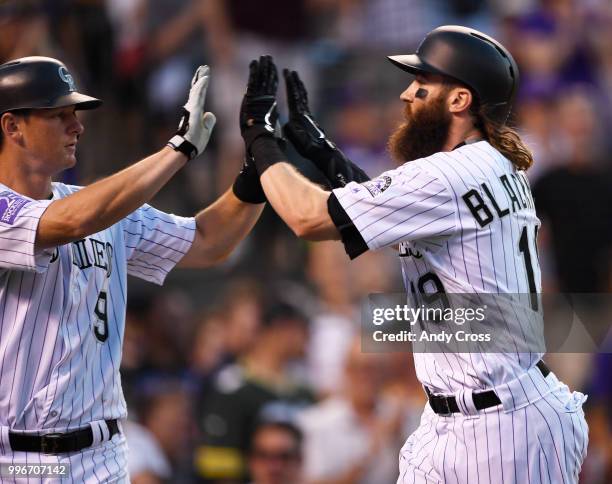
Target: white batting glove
196, 125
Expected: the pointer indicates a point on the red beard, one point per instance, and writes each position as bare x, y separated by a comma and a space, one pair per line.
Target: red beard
422, 133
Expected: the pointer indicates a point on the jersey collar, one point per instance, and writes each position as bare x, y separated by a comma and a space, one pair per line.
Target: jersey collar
468, 142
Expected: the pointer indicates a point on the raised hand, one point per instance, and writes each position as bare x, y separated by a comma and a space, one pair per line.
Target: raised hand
310, 140
258, 112
196, 125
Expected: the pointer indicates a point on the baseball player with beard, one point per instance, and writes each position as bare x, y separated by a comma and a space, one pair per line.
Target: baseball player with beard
460, 211
65, 254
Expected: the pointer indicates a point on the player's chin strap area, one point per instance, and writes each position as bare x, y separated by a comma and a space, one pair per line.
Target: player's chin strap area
60, 443
446, 405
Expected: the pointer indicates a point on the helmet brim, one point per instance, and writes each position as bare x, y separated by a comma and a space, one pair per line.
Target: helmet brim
76, 99
413, 64
80, 101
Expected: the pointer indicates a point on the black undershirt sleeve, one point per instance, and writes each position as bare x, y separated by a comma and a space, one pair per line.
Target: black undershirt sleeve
354, 245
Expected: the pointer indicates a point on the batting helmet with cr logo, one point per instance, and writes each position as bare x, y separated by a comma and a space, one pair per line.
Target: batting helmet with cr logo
471, 57
39, 83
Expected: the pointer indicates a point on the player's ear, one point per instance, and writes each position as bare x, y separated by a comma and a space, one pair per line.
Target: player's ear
10, 127
459, 100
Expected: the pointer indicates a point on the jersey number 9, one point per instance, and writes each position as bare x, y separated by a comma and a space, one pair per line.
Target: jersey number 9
100, 325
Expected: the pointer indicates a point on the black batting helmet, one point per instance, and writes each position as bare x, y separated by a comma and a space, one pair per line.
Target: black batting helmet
471, 57
39, 83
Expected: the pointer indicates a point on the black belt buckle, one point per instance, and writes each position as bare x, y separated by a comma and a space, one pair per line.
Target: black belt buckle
446, 408
49, 443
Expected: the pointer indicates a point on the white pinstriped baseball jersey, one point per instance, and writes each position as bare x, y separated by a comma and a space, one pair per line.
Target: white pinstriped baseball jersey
62, 311
465, 223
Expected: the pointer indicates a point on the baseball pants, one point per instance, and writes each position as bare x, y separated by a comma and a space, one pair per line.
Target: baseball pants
541, 439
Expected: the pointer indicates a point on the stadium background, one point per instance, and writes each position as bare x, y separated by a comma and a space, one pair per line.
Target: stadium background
208, 335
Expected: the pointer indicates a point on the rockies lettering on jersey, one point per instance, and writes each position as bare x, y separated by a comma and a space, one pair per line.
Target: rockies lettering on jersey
90, 252
62, 311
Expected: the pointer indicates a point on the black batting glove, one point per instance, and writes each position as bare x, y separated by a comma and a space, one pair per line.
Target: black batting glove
310, 140
247, 186
258, 112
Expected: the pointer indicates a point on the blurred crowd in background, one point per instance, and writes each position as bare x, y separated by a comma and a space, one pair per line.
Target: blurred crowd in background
251, 372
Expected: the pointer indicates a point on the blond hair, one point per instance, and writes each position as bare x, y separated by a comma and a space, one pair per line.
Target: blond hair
502, 137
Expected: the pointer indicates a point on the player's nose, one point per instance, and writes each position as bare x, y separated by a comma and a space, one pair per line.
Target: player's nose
75, 126
408, 94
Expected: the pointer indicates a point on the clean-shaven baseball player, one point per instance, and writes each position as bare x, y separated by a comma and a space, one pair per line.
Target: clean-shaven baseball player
65, 253
460, 211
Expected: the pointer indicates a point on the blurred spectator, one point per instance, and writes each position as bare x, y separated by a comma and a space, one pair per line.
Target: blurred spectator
597, 468
578, 191
147, 463
361, 133
174, 46
577, 188
84, 32
340, 286
25, 30
159, 444
535, 116
370, 24
354, 437
135, 344
238, 32
223, 336
402, 385
600, 39
129, 57
335, 324
209, 344
552, 50
155, 335
275, 455
260, 386
242, 309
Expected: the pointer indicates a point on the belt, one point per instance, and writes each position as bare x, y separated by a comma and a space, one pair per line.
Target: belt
444, 405
58, 443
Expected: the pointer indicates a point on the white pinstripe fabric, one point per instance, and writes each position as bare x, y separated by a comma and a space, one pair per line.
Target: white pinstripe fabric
424, 208
59, 362
544, 442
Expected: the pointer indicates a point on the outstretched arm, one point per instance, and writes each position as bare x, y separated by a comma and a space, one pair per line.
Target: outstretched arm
219, 228
222, 225
104, 203
300, 203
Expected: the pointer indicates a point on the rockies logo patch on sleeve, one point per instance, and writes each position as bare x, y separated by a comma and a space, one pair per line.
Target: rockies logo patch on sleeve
10, 206
378, 185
